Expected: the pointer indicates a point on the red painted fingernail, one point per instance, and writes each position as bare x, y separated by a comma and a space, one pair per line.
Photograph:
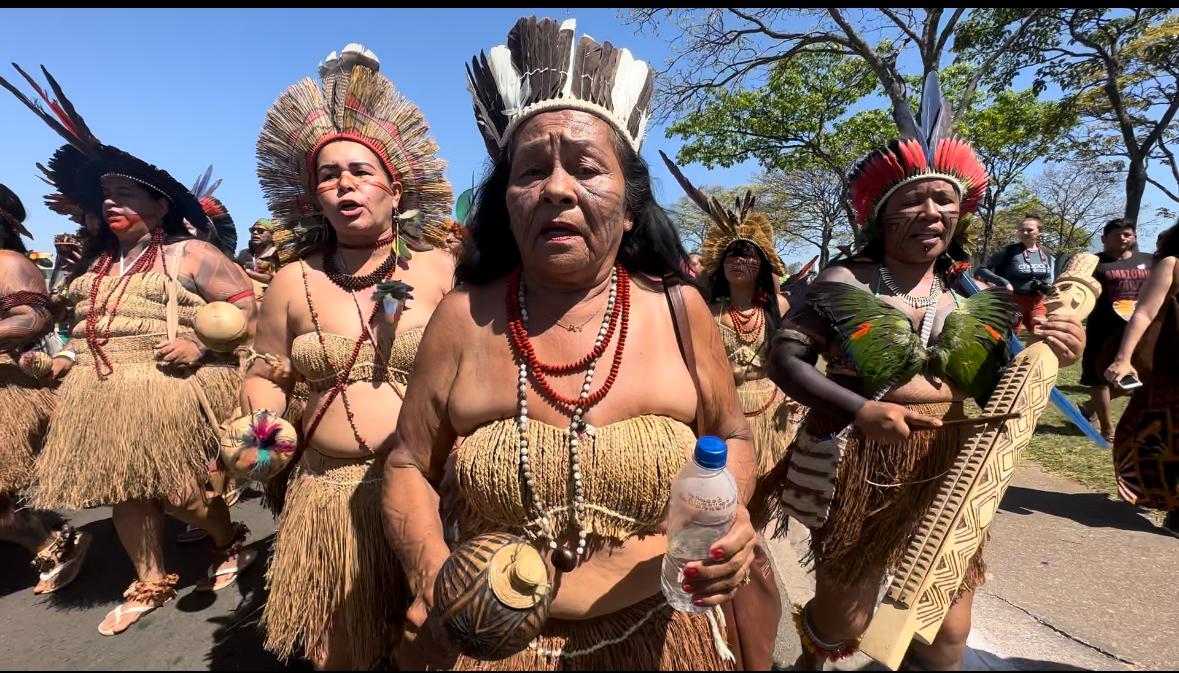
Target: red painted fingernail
718, 553
689, 572
688, 587
699, 602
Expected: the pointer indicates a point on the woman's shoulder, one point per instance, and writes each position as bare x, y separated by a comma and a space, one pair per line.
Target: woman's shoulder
194, 247
852, 272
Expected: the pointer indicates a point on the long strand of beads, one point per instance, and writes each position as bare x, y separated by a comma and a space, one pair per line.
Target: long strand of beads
562, 558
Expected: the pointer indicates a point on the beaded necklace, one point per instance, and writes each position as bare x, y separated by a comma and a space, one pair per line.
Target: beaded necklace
616, 318
351, 284
96, 338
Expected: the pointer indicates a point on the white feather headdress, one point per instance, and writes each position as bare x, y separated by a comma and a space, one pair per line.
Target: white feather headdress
541, 69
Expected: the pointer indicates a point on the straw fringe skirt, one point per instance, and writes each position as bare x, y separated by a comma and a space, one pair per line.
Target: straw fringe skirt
25, 408
881, 493
141, 433
332, 565
647, 636
773, 419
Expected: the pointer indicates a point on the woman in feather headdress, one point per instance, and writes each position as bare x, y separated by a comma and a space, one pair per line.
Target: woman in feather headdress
557, 361
741, 267
354, 181
135, 424
903, 350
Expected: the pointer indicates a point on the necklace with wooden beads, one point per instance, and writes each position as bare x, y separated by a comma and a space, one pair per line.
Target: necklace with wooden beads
616, 318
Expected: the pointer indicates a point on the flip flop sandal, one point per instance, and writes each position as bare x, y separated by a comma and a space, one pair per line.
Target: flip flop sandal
64, 572
121, 611
245, 558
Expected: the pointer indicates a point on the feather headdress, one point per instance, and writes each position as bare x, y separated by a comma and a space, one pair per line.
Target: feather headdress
351, 101
216, 211
542, 68
933, 153
742, 223
77, 168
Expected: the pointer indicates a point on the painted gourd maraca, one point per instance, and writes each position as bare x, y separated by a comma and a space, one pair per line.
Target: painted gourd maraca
257, 446
492, 595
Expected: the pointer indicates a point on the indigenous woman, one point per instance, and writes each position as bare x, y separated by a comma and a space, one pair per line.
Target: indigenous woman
742, 266
352, 177
135, 363
557, 359
904, 350
26, 404
1146, 448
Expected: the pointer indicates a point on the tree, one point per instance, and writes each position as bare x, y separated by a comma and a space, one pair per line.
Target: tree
1118, 67
807, 209
1010, 132
718, 48
691, 222
1075, 200
797, 122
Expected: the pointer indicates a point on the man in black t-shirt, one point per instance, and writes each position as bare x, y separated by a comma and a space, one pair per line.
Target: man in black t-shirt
1122, 271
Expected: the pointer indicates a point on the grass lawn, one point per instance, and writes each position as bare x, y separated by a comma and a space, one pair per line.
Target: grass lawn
1061, 449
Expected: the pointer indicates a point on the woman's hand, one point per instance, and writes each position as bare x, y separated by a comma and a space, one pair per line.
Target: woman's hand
1063, 334
888, 423
424, 644
61, 366
181, 352
717, 579
69, 249
1118, 370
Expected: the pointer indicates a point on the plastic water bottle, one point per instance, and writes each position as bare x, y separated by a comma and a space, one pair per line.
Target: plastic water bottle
703, 505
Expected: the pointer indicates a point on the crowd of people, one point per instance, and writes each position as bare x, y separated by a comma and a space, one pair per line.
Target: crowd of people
542, 369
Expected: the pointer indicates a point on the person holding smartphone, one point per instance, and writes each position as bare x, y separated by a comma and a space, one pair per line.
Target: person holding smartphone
1122, 271
1146, 448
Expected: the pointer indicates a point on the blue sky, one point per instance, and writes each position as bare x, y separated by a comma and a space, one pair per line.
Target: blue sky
187, 88
195, 88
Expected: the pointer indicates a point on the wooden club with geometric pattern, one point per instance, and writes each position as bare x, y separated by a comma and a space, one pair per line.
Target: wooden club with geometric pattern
929, 575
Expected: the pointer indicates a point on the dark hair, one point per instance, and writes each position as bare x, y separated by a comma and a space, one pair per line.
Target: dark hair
1168, 243
765, 282
11, 204
1032, 216
1118, 223
651, 247
173, 224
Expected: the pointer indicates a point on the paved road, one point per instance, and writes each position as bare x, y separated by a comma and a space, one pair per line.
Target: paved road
1076, 581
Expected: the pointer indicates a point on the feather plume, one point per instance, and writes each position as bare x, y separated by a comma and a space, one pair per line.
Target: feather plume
694, 194
935, 116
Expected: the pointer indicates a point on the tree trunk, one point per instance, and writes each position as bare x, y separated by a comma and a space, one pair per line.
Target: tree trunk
1135, 186
824, 250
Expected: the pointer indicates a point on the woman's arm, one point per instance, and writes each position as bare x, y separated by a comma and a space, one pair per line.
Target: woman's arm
716, 580
420, 447
218, 278
21, 325
267, 386
719, 408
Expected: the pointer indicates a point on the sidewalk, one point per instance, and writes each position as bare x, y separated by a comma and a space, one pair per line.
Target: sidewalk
1075, 581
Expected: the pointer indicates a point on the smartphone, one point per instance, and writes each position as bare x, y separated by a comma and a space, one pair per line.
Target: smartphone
1129, 382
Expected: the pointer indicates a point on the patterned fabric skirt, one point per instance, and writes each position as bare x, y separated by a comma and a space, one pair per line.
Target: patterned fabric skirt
1146, 448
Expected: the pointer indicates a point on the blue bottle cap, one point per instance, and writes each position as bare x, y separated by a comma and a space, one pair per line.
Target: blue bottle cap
711, 452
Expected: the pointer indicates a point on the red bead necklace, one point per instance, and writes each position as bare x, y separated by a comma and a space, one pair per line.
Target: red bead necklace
94, 340
618, 321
